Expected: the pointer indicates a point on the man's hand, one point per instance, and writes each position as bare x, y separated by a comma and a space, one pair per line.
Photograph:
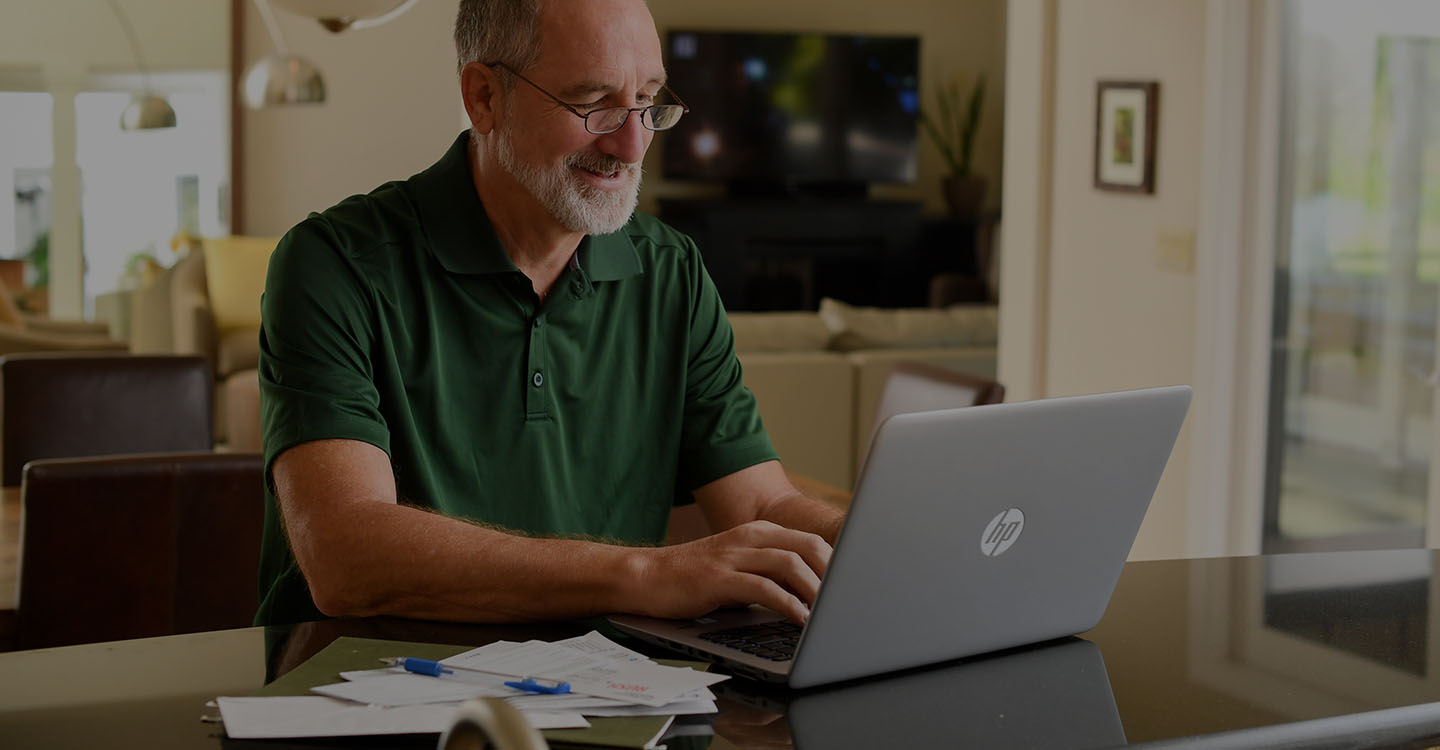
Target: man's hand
757, 562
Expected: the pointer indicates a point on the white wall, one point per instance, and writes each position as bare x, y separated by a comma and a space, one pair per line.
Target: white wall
393, 103
1118, 314
392, 107
58, 35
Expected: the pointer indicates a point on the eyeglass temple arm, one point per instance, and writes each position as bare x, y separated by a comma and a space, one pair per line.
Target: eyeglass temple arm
678, 100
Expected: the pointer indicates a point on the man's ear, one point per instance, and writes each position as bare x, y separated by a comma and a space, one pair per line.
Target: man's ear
481, 92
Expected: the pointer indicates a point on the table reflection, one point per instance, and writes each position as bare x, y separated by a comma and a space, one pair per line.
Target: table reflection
1306, 636
1054, 695
1371, 604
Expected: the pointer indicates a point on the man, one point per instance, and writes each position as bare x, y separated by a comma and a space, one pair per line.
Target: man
484, 387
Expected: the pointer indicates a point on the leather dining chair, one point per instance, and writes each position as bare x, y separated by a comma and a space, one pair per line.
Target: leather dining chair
120, 547
58, 405
915, 386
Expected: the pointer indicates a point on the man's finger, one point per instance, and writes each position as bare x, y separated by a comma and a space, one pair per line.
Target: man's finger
812, 548
761, 590
785, 568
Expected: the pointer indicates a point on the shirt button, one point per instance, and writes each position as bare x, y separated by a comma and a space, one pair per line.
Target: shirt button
538, 380
537, 322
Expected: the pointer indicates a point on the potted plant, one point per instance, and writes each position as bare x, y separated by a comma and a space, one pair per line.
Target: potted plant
952, 127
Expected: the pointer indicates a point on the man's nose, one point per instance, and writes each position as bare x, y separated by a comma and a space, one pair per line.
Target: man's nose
628, 144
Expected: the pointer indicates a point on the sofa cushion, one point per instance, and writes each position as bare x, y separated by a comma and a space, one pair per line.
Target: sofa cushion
779, 332
242, 411
192, 325
804, 401
238, 350
151, 331
856, 328
235, 276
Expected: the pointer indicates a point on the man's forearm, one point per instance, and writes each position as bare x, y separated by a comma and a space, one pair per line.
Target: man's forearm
429, 566
804, 513
363, 554
391, 559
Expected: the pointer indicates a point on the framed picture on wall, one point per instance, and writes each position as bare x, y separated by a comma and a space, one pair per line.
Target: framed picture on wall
1125, 120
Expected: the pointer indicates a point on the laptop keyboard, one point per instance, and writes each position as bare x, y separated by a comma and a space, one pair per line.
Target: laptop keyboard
775, 641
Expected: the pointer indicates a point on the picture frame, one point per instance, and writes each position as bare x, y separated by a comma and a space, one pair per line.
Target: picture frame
1126, 119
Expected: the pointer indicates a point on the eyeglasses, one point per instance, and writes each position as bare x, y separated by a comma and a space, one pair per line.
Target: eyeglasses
610, 119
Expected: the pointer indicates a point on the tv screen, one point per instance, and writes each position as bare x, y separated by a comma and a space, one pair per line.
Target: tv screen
793, 108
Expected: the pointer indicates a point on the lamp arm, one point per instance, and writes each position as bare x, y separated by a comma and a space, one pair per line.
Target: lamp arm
271, 26
370, 23
134, 42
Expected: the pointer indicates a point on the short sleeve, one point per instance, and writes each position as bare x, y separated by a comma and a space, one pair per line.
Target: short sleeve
316, 335
722, 432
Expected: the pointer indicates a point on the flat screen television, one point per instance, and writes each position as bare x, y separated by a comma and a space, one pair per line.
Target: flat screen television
787, 111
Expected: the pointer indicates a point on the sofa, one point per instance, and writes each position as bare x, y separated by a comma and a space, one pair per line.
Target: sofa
25, 332
818, 376
208, 304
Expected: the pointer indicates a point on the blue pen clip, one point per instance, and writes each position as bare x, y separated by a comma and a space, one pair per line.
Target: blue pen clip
547, 687
419, 666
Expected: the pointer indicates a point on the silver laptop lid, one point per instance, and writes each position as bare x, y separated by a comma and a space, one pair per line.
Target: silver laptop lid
1017, 520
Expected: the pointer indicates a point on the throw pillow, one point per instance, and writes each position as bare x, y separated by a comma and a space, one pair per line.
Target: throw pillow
856, 328
235, 276
778, 332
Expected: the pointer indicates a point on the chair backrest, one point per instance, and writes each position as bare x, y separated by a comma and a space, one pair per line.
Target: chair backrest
56, 405
137, 546
914, 386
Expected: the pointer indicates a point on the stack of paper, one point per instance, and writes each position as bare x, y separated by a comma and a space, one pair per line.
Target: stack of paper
606, 680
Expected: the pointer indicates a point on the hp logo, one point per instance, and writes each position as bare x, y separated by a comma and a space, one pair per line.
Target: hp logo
1002, 532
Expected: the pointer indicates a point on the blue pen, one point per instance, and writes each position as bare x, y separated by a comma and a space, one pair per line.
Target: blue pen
436, 669
547, 687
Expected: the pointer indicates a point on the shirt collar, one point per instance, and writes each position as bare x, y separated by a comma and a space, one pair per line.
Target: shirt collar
464, 241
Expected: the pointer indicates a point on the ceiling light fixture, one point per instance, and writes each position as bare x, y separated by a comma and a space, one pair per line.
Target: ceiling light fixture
280, 78
147, 110
339, 15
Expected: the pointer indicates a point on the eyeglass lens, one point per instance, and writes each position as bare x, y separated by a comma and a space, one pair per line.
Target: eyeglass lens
656, 117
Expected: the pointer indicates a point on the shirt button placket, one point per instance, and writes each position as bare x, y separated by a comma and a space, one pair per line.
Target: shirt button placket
536, 403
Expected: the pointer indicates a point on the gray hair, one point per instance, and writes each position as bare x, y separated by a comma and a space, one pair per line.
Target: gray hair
505, 31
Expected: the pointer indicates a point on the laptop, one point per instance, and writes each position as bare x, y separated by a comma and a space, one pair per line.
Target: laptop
971, 530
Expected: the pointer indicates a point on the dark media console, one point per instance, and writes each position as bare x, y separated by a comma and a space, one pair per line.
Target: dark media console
786, 253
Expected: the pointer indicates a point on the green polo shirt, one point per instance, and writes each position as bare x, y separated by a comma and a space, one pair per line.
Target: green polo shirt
396, 318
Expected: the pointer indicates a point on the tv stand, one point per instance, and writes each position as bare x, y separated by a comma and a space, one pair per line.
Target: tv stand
787, 253
830, 190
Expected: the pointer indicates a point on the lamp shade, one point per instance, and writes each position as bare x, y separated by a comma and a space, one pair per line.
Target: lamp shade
279, 80
147, 112
338, 15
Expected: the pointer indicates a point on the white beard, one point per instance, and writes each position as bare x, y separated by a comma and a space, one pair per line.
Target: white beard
576, 204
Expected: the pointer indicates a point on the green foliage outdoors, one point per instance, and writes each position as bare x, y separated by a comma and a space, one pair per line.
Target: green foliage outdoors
955, 121
1359, 175
39, 257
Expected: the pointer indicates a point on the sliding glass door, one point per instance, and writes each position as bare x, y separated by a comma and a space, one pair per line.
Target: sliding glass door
1353, 375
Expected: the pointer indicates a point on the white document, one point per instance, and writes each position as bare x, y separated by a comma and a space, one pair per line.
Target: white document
405, 689
588, 673
598, 645
591, 706
679, 708
318, 716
